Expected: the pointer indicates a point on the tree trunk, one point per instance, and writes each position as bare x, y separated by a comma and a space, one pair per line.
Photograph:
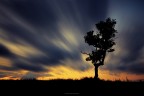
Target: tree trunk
96, 71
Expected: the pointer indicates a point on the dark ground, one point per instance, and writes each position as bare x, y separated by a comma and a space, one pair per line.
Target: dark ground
85, 87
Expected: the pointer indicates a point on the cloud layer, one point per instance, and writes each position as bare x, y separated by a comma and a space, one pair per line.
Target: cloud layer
130, 45
36, 35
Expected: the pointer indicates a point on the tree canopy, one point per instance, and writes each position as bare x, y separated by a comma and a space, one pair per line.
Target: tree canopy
102, 41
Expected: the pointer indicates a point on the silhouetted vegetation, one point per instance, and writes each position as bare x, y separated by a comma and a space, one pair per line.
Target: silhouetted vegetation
28, 79
83, 87
102, 41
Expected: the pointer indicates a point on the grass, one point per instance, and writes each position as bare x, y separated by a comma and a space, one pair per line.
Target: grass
88, 86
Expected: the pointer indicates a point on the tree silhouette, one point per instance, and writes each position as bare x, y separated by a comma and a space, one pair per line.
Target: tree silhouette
102, 42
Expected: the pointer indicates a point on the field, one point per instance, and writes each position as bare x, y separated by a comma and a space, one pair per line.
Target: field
85, 87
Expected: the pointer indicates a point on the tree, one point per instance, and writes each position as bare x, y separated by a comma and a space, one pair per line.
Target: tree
102, 42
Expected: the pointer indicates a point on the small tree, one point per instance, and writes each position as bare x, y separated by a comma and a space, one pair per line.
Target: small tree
102, 41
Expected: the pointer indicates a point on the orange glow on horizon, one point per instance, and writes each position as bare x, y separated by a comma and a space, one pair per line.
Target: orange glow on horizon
67, 72
61, 72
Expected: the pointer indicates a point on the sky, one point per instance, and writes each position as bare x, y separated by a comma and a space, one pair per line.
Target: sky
43, 39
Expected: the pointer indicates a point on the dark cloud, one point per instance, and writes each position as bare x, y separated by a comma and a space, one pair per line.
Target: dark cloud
56, 29
130, 40
134, 43
134, 68
40, 23
31, 20
9, 74
134, 47
30, 67
33, 11
16, 64
9, 68
4, 51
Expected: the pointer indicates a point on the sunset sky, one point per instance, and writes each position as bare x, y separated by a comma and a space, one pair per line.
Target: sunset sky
44, 38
